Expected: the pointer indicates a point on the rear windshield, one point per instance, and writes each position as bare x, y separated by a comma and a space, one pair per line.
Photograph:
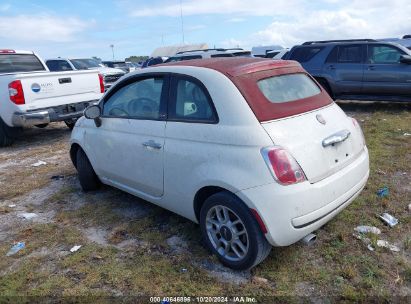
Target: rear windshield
281, 92
285, 88
14, 63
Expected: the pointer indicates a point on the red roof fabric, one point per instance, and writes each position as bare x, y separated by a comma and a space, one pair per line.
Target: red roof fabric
246, 72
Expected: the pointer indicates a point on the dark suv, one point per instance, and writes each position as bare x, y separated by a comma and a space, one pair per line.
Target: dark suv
358, 69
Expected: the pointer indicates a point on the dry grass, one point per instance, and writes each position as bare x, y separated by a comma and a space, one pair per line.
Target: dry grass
337, 266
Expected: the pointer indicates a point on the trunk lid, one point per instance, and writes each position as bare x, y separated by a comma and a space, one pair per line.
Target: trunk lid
304, 136
42, 90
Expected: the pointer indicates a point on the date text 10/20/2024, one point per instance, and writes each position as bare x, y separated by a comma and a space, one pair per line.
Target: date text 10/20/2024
235, 299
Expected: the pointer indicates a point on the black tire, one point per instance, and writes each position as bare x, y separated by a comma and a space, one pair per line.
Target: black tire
258, 248
6, 138
70, 123
41, 126
86, 174
326, 86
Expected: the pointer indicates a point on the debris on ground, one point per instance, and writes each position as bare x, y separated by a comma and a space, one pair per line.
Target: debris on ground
389, 219
183, 270
385, 244
407, 134
12, 205
39, 163
260, 280
27, 215
75, 248
409, 207
16, 248
367, 229
57, 177
380, 243
365, 240
383, 192
381, 172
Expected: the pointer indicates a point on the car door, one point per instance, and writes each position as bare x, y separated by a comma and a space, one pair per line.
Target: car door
191, 127
384, 73
345, 65
128, 146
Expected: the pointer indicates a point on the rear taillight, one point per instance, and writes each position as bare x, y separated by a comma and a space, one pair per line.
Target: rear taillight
101, 78
283, 166
16, 92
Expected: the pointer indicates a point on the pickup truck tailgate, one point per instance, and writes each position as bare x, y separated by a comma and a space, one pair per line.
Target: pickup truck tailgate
50, 89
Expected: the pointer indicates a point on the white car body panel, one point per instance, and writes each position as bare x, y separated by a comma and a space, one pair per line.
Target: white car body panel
228, 155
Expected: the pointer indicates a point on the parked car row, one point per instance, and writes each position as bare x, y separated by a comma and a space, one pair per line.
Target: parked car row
110, 74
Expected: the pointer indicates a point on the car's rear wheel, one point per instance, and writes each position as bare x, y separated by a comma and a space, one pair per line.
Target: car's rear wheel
86, 174
231, 232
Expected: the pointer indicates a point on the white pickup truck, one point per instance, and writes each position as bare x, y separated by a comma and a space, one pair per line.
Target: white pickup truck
31, 95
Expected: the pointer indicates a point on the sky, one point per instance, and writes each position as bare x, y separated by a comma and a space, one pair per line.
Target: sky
87, 28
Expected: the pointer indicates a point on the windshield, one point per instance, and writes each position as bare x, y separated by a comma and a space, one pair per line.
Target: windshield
13, 63
84, 64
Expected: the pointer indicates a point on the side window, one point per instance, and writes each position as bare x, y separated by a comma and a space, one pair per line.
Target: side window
384, 54
191, 102
349, 54
332, 57
304, 54
140, 99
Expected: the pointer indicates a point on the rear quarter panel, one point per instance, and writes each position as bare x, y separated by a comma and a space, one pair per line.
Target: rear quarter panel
226, 154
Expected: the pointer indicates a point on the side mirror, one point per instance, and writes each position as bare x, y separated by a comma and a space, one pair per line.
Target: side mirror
93, 112
405, 59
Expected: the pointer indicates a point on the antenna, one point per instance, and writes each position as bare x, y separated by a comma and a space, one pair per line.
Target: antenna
182, 20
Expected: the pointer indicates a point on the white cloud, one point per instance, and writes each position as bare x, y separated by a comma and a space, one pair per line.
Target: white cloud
354, 19
41, 28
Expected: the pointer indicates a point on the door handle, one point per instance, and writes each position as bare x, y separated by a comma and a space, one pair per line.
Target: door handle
371, 67
151, 144
336, 138
331, 67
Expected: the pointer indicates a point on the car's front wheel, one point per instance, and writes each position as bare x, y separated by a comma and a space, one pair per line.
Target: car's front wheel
231, 232
89, 180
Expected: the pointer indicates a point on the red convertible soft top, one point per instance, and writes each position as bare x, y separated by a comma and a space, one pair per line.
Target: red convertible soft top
245, 74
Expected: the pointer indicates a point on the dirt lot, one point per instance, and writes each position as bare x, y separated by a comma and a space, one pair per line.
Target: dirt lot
132, 248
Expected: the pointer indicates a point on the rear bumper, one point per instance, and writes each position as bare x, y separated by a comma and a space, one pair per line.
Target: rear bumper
53, 114
292, 212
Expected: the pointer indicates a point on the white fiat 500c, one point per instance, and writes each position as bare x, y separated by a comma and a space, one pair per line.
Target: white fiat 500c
253, 150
